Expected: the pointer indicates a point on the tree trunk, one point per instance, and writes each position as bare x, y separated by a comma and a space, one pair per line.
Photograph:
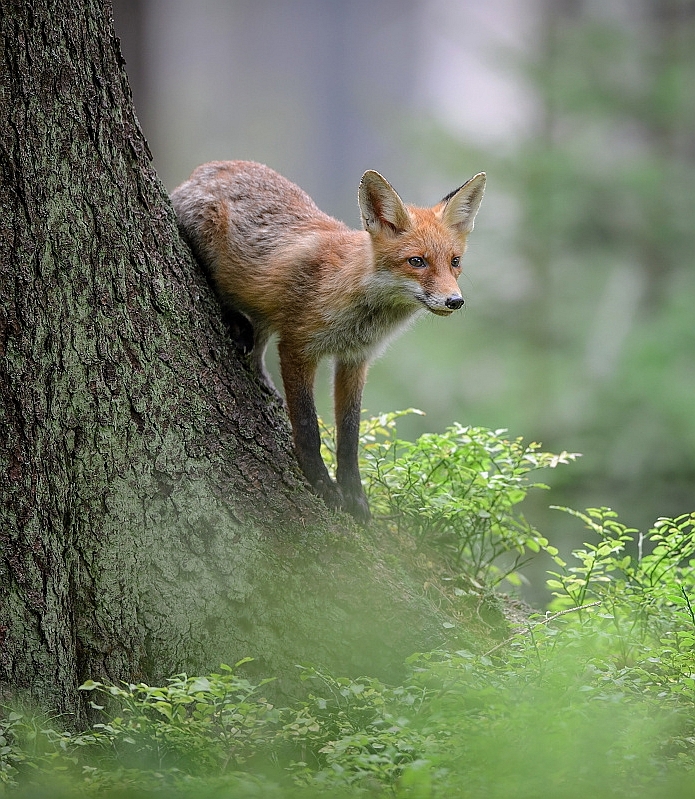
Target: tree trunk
153, 517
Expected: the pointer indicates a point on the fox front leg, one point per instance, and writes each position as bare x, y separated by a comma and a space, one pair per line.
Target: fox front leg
349, 382
298, 378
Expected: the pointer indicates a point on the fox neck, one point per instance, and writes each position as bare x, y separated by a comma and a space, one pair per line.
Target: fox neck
358, 273
367, 307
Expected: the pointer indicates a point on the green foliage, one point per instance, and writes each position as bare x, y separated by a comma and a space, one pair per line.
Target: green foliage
591, 700
214, 722
653, 569
354, 732
644, 584
153, 737
11, 757
594, 698
553, 711
456, 492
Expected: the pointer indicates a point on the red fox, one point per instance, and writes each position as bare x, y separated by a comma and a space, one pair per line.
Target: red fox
326, 290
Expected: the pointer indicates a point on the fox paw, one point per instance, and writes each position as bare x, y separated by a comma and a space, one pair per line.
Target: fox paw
338, 498
357, 506
330, 493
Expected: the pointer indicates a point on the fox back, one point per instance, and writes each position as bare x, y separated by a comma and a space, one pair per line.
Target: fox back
325, 289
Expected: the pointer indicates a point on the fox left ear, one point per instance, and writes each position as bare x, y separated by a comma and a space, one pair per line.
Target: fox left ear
461, 206
381, 208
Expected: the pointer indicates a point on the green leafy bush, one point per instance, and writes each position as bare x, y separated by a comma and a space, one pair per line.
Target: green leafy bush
456, 492
655, 567
218, 721
644, 584
550, 713
153, 737
354, 732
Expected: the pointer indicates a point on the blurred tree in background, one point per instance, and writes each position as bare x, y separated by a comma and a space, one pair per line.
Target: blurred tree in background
587, 341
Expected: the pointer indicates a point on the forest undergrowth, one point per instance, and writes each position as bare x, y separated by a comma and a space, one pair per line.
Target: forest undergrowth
591, 696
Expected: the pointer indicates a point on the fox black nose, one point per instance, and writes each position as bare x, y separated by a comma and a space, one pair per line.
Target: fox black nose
453, 302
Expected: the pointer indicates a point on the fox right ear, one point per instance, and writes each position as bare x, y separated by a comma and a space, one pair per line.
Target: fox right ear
459, 208
381, 208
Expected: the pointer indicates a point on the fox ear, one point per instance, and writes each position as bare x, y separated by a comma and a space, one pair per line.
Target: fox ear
381, 208
461, 206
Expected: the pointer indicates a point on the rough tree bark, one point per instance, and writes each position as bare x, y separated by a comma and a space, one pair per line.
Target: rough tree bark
152, 516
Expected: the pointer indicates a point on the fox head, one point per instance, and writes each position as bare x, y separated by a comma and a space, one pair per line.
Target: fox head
418, 251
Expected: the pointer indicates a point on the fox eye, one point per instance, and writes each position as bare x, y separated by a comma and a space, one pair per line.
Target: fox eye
455, 261
416, 261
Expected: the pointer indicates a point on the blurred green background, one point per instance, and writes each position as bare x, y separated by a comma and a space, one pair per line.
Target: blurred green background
579, 329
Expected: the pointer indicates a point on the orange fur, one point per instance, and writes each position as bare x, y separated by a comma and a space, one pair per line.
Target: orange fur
326, 290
